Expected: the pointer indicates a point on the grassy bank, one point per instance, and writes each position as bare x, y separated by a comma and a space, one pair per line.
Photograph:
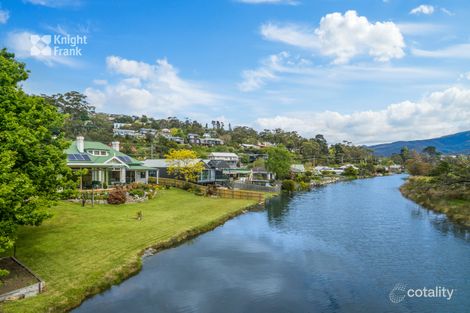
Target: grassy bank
82, 251
453, 203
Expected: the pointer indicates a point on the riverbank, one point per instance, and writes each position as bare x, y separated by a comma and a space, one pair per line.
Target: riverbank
422, 191
335, 179
83, 251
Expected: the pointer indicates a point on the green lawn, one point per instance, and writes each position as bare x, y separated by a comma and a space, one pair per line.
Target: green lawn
81, 251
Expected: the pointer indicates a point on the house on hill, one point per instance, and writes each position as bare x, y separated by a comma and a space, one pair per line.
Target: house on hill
231, 158
105, 164
207, 140
166, 133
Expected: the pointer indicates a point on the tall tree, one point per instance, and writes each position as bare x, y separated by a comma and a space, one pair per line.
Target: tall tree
78, 111
32, 162
279, 161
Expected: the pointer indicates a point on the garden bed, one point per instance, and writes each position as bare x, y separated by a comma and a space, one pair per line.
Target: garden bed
20, 282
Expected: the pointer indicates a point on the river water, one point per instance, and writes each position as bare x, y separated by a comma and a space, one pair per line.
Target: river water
338, 248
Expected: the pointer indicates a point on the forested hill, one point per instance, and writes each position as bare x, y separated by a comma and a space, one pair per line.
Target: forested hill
458, 143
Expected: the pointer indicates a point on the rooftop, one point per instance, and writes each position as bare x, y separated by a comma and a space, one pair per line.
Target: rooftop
223, 154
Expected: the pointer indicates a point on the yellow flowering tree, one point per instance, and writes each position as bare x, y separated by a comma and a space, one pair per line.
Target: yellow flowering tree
184, 164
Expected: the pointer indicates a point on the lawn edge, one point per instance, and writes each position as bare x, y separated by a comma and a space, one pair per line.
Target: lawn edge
133, 267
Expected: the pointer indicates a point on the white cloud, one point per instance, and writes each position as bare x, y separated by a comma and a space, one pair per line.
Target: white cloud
290, 2
460, 51
291, 34
297, 71
4, 16
437, 114
20, 44
55, 3
270, 67
445, 11
342, 36
423, 9
147, 88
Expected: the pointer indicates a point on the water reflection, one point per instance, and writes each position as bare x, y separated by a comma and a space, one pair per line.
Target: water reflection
440, 222
337, 249
278, 207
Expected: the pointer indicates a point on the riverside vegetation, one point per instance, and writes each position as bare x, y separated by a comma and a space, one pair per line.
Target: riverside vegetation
440, 183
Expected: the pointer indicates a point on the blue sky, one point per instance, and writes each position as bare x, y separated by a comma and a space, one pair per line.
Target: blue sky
366, 71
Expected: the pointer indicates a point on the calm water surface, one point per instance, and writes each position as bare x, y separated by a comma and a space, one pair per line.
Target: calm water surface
339, 248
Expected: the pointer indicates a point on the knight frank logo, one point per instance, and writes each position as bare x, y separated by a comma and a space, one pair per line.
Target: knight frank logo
57, 45
399, 292
41, 45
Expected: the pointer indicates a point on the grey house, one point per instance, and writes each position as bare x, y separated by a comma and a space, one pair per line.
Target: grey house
209, 175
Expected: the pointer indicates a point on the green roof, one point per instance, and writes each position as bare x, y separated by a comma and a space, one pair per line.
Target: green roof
98, 159
140, 167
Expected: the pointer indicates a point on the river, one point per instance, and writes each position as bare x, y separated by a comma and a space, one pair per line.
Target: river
338, 248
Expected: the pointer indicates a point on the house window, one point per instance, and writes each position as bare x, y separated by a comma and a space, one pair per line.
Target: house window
142, 174
98, 152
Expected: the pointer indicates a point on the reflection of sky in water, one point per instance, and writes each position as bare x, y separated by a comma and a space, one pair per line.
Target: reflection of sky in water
340, 248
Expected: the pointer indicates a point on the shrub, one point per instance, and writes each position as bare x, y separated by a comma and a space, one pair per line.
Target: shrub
137, 192
96, 184
101, 195
288, 185
304, 186
381, 170
418, 167
350, 171
152, 180
117, 196
153, 192
186, 186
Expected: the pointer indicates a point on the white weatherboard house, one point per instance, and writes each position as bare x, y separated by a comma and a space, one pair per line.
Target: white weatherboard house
106, 165
231, 158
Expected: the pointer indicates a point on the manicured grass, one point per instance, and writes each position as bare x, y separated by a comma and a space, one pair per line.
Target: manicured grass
81, 251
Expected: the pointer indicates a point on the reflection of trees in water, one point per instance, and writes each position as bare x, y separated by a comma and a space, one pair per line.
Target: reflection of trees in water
440, 222
447, 227
278, 207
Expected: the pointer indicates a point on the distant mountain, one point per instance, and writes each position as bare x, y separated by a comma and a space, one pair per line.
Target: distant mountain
451, 144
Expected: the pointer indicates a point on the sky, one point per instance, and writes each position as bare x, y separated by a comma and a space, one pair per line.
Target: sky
364, 71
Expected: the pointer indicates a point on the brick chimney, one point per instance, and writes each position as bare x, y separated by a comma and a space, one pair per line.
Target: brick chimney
80, 144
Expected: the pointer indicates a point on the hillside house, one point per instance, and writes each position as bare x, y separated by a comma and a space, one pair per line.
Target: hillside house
231, 158
207, 140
